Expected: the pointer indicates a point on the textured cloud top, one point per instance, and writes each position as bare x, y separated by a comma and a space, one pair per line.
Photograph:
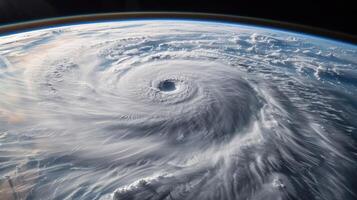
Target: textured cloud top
167, 109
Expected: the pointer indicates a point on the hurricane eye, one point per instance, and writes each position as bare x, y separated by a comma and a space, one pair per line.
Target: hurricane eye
167, 86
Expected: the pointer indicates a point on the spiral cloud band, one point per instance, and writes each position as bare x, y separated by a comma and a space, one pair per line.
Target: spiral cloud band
170, 109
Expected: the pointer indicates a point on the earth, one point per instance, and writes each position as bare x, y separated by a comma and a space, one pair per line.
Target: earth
176, 110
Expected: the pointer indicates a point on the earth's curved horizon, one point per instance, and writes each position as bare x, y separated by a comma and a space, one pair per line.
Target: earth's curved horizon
176, 109
35, 24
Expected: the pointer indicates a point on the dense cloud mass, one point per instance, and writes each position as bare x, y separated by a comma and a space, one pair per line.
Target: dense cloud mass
176, 110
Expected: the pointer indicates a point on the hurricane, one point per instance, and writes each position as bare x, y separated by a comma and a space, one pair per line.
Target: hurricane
176, 110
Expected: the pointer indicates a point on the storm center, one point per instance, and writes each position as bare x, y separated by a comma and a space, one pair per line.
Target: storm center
167, 86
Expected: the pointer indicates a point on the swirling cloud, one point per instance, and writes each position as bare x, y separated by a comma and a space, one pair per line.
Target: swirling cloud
176, 110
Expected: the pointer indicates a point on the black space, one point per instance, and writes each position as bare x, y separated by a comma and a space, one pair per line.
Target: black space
340, 16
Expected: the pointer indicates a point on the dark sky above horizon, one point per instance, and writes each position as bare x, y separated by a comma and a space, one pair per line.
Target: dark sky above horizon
338, 15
